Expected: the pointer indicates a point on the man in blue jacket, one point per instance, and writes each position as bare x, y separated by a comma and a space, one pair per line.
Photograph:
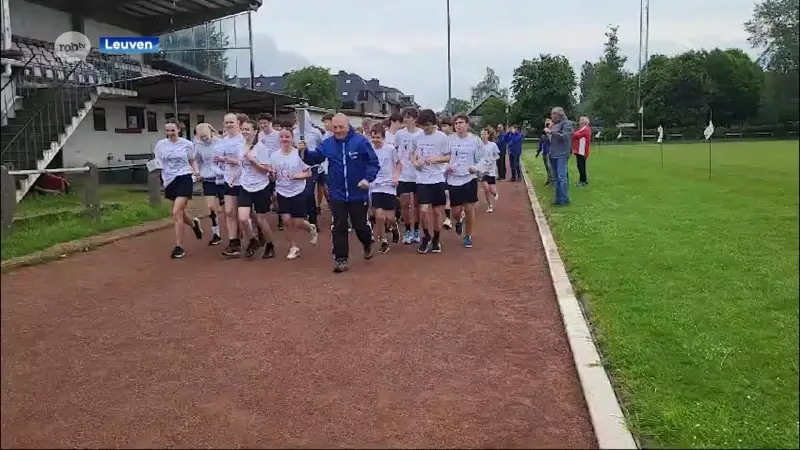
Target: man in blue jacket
352, 166
502, 145
514, 139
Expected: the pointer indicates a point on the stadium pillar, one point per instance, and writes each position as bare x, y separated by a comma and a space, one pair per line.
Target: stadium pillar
6, 25
175, 96
227, 100
250, 44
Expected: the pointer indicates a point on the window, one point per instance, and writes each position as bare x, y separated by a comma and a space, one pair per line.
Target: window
345, 94
362, 107
348, 105
152, 121
134, 117
347, 81
383, 108
258, 84
201, 118
99, 116
272, 83
362, 96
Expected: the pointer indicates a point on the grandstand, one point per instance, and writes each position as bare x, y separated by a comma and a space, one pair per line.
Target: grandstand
110, 109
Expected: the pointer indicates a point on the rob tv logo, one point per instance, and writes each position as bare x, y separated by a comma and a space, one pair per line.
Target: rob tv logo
129, 45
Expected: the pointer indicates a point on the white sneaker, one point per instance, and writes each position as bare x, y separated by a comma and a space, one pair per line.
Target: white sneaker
447, 223
312, 232
294, 252
496, 195
490, 209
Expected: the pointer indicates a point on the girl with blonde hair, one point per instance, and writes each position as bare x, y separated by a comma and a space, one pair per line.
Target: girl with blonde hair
212, 175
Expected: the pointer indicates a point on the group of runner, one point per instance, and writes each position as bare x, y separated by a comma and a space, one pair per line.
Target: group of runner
404, 179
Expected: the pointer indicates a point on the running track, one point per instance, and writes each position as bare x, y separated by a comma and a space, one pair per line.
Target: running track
122, 347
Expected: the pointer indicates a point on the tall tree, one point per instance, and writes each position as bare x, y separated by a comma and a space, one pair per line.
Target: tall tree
775, 29
539, 84
490, 84
735, 84
608, 97
456, 106
315, 84
587, 81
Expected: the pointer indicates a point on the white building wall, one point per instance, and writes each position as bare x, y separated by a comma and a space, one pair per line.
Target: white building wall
38, 22
107, 148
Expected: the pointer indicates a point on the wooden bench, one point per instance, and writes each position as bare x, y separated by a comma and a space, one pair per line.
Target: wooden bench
675, 136
733, 134
765, 134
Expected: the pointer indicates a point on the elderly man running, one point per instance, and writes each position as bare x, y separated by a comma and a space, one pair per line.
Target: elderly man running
352, 166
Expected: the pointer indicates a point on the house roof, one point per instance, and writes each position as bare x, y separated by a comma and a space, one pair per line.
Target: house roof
475, 109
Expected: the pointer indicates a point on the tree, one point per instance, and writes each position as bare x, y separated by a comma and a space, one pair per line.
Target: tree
587, 81
608, 97
456, 106
540, 84
489, 85
315, 84
775, 28
492, 112
735, 82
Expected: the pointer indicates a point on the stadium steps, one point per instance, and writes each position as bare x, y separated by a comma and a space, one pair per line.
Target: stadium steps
47, 119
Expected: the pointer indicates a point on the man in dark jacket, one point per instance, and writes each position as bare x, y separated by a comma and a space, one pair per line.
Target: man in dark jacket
352, 166
502, 145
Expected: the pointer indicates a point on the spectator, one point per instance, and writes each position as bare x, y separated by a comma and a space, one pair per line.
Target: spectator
544, 150
502, 145
514, 139
581, 143
560, 133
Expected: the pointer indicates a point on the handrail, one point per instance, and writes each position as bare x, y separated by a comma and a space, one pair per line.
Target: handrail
10, 79
39, 110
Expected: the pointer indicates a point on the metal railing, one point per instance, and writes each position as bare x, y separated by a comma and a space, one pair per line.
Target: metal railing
52, 96
8, 200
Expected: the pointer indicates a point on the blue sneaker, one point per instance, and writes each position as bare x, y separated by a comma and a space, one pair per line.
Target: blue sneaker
417, 237
467, 242
408, 237
459, 227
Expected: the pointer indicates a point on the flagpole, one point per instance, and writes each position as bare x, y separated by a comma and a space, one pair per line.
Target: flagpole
710, 138
449, 67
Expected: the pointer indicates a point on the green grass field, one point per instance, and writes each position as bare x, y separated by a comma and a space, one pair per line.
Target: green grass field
692, 286
43, 231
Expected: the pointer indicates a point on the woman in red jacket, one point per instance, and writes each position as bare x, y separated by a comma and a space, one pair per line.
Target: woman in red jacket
581, 143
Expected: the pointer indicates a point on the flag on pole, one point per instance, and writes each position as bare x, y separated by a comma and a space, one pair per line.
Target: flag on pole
597, 136
619, 136
641, 109
709, 131
660, 134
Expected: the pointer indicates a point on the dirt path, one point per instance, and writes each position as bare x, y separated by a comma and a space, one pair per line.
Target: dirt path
122, 347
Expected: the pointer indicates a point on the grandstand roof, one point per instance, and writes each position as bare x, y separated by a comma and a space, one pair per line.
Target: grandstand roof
151, 17
161, 89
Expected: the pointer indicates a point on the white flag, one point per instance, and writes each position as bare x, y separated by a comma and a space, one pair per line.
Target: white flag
597, 136
619, 136
641, 109
660, 134
709, 131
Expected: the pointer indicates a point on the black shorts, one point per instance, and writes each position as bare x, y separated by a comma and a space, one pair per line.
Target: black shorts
232, 191
181, 186
432, 194
488, 179
212, 189
464, 194
293, 206
406, 187
260, 201
384, 201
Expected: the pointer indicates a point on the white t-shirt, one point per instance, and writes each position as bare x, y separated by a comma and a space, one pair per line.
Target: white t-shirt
466, 153
270, 140
491, 154
432, 145
253, 179
389, 137
228, 147
406, 143
286, 165
384, 180
174, 158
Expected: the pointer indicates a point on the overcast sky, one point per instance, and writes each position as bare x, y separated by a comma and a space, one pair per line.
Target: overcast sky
404, 44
